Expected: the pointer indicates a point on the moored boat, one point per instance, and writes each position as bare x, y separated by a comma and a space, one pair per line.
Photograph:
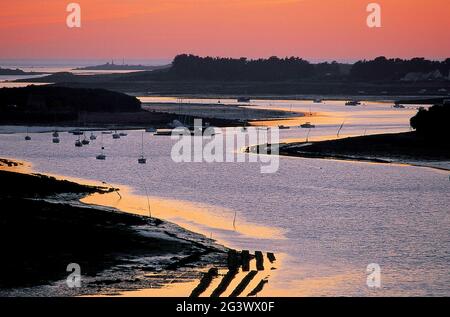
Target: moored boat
116, 135
352, 103
307, 125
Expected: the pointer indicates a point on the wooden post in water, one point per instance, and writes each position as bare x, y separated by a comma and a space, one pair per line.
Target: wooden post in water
259, 260
271, 257
233, 262
245, 259
205, 282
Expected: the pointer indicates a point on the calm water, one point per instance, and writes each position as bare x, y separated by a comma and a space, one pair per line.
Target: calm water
330, 218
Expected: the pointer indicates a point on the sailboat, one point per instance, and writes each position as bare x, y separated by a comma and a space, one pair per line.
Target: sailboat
78, 143
85, 141
307, 125
55, 134
244, 127
142, 159
101, 156
27, 137
116, 135
93, 136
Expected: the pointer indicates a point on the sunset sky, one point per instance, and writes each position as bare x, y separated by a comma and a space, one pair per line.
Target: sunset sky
151, 29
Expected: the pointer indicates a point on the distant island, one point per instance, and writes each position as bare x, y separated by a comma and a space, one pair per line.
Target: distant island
124, 67
14, 72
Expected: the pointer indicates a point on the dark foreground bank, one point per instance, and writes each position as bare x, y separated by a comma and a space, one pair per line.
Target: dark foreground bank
44, 227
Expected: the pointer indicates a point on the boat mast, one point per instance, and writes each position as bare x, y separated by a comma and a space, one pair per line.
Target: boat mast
142, 144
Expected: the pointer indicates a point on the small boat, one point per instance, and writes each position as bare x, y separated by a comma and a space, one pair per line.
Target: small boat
243, 99
307, 125
93, 136
27, 137
352, 103
318, 100
55, 134
283, 127
142, 159
244, 128
76, 132
106, 132
398, 106
78, 143
123, 134
163, 132
102, 155
150, 130
116, 135
55, 140
85, 141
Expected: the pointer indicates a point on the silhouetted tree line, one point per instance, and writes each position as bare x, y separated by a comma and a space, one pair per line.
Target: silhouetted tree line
52, 99
433, 123
191, 67
382, 68
228, 69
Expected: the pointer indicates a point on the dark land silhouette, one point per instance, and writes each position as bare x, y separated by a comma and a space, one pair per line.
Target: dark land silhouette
16, 72
51, 98
429, 142
433, 124
112, 66
189, 74
50, 105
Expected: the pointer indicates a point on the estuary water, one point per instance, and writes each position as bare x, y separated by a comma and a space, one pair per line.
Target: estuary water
326, 220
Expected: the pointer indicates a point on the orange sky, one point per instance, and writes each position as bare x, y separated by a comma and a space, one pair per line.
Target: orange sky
145, 29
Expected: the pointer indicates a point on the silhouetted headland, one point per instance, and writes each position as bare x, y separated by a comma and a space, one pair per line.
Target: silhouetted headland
16, 72
112, 66
63, 106
427, 144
